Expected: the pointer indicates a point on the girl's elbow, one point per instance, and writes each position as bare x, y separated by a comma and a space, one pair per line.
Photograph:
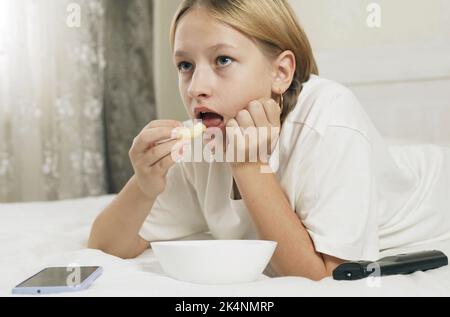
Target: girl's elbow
316, 275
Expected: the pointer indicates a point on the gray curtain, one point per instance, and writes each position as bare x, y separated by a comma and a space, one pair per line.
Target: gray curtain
51, 100
129, 100
67, 121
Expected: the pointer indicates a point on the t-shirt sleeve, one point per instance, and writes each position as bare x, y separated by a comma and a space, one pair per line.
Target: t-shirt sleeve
176, 213
336, 203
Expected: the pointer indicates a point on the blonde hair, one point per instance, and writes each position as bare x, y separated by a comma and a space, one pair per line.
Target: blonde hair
274, 26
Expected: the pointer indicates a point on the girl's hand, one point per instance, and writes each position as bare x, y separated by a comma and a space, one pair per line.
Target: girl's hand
151, 159
258, 128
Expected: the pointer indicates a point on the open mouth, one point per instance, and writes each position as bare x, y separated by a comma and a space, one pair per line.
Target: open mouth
211, 119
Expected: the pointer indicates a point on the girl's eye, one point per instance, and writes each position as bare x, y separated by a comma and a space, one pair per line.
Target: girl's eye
224, 60
184, 67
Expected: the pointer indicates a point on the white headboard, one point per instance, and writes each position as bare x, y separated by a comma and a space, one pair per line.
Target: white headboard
404, 88
400, 71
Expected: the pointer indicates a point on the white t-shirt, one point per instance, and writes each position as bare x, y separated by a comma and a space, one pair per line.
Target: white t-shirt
355, 195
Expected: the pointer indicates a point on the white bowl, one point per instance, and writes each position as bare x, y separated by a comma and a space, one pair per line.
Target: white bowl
214, 261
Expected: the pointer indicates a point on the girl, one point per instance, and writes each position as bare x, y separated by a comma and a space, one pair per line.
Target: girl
339, 193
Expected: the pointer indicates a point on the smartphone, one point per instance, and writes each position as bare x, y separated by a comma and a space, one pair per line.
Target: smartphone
59, 280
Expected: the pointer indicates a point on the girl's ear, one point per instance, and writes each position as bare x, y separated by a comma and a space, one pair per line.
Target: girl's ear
284, 70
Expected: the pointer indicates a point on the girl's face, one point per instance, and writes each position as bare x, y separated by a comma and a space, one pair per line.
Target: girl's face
220, 70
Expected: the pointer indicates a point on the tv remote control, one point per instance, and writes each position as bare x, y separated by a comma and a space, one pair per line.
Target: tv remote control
391, 265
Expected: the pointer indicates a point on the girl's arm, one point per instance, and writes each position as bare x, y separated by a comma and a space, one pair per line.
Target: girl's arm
275, 220
270, 209
116, 229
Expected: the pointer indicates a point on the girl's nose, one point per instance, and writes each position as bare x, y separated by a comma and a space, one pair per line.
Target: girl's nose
200, 85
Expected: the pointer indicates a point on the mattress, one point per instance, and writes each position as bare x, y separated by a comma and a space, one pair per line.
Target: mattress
36, 235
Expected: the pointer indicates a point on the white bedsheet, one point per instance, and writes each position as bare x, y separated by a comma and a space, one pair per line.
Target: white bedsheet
36, 235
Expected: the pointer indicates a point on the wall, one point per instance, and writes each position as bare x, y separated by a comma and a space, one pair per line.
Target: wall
169, 104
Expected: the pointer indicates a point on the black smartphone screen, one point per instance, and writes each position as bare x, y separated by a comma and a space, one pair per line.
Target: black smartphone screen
59, 276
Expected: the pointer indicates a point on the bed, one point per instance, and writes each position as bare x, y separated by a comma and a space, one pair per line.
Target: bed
408, 105
36, 235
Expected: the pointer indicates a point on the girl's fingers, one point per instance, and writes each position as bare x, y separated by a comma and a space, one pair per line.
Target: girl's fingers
233, 126
234, 134
244, 119
164, 165
147, 138
258, 114
273, 112
155, 154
